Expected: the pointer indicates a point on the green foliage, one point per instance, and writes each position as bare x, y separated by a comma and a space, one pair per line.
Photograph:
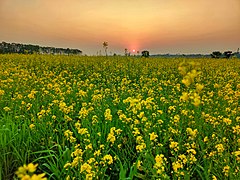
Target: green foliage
15, 145
119, 118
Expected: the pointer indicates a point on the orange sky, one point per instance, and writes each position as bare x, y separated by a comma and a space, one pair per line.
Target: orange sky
160, 26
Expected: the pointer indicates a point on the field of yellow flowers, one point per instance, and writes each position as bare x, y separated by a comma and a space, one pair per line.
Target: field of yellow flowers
72, 117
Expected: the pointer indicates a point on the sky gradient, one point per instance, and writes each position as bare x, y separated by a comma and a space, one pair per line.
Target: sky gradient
160, 26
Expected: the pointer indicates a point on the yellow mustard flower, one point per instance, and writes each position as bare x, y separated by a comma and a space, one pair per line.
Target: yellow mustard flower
32, 126
153, 136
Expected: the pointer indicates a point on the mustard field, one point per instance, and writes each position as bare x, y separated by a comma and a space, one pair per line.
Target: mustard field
75, 117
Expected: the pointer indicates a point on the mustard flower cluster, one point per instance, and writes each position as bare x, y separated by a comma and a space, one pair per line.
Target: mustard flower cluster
118, 117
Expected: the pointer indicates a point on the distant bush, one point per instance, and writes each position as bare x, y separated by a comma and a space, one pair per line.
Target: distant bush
216, 54
145, 53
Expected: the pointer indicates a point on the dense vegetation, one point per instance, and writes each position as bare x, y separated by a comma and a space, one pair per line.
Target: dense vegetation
7, 48
119, 117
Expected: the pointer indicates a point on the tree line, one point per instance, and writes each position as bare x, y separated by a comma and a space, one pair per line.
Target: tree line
226, 54
6, 48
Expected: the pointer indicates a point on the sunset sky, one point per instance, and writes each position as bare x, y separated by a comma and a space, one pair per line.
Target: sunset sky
160, 26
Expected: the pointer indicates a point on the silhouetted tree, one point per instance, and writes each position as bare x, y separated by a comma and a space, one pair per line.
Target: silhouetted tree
105, 46
67, 51
216, 54
145, 53
138, 53
228, 54
126, 52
